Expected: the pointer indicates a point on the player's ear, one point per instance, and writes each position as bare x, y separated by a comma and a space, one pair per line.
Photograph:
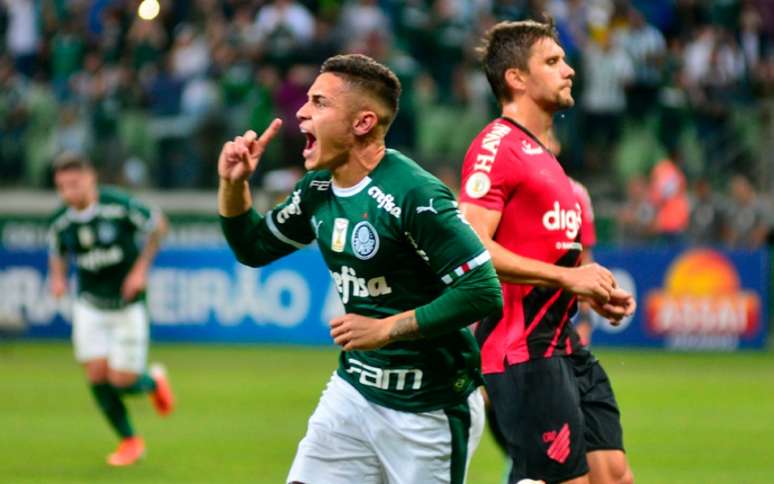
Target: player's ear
364, 122
515, 79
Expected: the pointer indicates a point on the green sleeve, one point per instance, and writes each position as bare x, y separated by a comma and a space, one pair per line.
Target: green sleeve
251, 240
435, 227
55, 226
55, 247
472, 297
258, 240
142, 217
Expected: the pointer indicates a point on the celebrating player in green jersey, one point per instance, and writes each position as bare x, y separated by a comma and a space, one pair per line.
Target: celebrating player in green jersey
100, 229
403, 405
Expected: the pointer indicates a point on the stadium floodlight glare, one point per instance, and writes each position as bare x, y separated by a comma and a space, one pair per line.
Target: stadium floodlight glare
148, 9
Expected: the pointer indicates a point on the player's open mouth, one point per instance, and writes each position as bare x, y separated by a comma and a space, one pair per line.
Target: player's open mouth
311, 142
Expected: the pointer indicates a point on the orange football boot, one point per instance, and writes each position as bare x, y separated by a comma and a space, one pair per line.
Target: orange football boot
129, 451
162, 397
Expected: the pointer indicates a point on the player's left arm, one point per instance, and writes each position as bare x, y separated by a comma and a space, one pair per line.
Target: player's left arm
157, 226
456, 255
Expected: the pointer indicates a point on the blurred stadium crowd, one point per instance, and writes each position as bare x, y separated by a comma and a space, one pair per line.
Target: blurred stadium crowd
674, 108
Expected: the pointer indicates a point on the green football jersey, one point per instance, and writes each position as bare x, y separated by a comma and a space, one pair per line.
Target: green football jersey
105, 240
392, 243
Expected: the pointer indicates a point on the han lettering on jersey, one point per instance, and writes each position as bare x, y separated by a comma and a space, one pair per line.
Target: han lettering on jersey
479, 182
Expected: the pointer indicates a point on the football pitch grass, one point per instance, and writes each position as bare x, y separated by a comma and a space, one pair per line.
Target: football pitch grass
688, 417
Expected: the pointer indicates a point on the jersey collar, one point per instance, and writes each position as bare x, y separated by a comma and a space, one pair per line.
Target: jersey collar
84, 215
350, 191
526, 131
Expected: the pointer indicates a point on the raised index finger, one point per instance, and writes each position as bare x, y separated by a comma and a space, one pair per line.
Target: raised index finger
259, 145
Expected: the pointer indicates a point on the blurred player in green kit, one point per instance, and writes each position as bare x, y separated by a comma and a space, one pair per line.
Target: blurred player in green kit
113, 239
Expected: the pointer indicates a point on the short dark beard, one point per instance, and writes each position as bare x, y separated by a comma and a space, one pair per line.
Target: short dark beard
557, 104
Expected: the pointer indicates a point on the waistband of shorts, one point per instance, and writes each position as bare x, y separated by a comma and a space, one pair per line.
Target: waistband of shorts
103, 302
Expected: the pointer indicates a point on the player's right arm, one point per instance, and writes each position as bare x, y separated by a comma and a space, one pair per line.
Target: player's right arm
57, 275
590, 280
57, 265
256, 240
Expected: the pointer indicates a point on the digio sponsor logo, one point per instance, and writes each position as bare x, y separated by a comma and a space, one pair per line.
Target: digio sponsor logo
560, 219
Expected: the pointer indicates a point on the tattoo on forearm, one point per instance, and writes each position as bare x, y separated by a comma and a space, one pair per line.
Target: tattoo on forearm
405, 328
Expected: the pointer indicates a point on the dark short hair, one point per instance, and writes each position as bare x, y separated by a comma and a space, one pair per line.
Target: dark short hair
370, 76
71, 161
508, 45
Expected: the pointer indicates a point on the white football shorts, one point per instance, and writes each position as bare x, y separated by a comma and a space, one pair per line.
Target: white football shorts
351, 440
119, 335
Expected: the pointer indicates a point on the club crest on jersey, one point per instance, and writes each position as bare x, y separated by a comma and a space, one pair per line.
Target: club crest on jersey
530, 149
365, 240
85, 236
106, 232
339, 236
478, 185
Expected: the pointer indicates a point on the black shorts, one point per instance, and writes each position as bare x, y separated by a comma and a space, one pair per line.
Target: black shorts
552, 412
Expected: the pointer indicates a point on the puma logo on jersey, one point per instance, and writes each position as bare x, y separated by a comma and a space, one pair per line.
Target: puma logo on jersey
427, 208
349, 285
530, 149
316, 226
385, 201
560, 219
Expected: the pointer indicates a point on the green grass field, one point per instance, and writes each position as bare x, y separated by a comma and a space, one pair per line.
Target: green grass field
688, 418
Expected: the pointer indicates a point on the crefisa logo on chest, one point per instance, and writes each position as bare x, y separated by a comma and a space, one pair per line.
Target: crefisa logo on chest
365, 240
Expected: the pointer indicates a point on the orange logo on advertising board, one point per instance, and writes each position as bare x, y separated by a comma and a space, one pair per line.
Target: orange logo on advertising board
702, 295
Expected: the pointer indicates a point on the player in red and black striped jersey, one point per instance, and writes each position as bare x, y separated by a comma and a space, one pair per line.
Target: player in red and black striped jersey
553, 401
